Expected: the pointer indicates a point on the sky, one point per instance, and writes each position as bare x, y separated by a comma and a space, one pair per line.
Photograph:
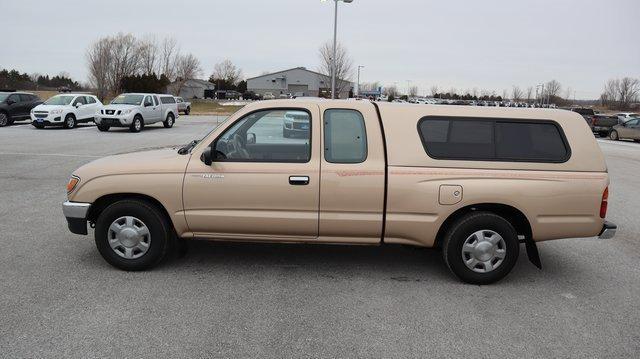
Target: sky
491, 44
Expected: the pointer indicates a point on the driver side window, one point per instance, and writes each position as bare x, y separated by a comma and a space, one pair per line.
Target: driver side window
148, 101
280, 135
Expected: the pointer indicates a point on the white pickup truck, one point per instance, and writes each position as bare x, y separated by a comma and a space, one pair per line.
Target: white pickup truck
136, 110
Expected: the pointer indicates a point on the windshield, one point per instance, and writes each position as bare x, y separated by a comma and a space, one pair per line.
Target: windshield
59, 100
128, 100
3, 96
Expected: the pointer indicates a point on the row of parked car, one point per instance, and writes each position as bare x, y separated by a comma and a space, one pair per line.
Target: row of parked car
134, 110
622, 125
487, 103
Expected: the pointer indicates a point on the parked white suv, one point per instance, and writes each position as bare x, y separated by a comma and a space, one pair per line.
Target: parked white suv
66, 110
136, 110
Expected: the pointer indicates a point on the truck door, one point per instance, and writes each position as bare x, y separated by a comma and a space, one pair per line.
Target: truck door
352, 184
261, 185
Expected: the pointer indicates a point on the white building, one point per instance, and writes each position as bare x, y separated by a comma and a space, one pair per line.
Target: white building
297, 81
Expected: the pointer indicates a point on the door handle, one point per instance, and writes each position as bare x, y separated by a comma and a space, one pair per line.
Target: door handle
299, 180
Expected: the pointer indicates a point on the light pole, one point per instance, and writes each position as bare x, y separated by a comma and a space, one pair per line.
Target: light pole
358, 88
335, 42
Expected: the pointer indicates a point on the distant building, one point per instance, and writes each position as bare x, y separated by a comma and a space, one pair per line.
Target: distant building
190, 89
297, 81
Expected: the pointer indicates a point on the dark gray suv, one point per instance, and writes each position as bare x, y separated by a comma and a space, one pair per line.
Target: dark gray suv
16, 106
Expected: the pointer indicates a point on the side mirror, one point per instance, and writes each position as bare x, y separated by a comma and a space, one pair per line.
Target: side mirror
207, 156
251, 138
10, 102
78, 104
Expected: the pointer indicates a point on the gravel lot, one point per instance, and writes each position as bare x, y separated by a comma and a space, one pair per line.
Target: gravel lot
58, 298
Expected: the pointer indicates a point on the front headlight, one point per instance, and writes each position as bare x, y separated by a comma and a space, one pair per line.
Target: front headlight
73, 182
56, 112
127, 111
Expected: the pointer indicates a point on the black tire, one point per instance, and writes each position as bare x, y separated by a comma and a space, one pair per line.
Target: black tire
159, 227
38, 125
614, 135
70, 121
187, 111
103, 128
168, 123
5, 119
137, 124
285, 133
463, 229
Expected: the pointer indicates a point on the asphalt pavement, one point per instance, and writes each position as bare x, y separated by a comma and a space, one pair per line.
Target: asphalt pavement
58, 298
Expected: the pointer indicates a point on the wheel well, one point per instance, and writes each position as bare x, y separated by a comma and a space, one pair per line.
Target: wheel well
511, 214
70, 114
105, 201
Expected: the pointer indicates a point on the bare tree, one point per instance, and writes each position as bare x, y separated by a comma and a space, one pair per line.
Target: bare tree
343, 66
413, 91
434, 90
369, 86
391, 91
149, 58
553, 88
474, 92
505, 94
610, 94
188, 67
529, 93
125, 59
99, 59
169, 54
227, 71
516, 94
628, 89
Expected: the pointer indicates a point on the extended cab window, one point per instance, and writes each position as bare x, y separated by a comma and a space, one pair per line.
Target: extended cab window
345, 139
278, 135
166, 100
493, 139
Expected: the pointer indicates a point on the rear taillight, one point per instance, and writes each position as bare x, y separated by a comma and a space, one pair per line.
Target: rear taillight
603, 204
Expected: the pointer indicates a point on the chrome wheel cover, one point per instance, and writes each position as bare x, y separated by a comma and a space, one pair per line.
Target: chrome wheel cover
129, 237
137, 124
484, 251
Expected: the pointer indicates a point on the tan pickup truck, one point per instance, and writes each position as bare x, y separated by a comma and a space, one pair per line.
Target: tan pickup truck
475, 182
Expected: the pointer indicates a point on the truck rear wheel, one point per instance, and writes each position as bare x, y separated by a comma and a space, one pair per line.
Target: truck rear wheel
481, 248
133, 235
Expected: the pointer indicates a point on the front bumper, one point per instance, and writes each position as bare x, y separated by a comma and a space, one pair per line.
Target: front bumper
112, 121
608, 230
47, 120
76, 215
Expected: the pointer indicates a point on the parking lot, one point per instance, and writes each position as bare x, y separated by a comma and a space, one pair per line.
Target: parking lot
59, 298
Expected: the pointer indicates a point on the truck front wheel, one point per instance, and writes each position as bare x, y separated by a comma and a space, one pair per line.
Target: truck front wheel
481, 248
136, 124
132, 235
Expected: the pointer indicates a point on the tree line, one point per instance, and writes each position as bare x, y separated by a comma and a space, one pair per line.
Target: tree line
13, 79
621, 93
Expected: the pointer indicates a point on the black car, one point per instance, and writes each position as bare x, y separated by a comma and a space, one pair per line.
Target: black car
16, 106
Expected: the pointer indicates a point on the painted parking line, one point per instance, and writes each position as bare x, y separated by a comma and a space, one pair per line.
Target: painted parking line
47, 154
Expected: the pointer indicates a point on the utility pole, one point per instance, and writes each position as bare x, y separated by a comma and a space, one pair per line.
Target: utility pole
358, 88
